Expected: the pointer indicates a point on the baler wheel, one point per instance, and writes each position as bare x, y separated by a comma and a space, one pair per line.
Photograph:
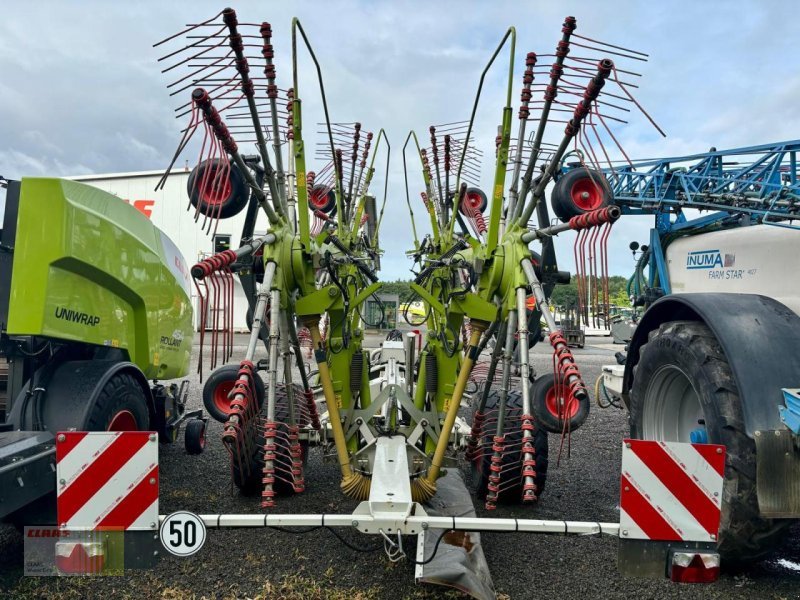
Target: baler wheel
219, 385
511, 476
121, 406
579, 191
684, 377
194, 436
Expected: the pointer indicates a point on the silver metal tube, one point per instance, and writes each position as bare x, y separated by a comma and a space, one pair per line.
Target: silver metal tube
260, 309
274, 333
507, 357
287, 364
409, 525
258, 317
290, 189
528, 494
541, 303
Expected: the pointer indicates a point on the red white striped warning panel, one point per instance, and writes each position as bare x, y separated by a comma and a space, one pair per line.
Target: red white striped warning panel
671, 491
107, 480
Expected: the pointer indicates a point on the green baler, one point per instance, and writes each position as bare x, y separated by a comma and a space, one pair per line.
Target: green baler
94, 304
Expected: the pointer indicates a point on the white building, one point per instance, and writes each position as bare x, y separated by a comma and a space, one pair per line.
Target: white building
167, 208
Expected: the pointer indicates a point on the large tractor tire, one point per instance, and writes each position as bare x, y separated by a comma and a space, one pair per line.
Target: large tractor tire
219, 385
251, 484
684, 384
214, 197
578, 191
512, 459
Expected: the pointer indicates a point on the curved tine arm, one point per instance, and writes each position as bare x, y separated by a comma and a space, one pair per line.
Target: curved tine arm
296, 26
408, 196
512, 33
434, 222
385, 186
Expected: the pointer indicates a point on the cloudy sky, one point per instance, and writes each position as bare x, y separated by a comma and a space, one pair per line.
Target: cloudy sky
80, 90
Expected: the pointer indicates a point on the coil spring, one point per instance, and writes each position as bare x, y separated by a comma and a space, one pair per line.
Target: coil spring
356, 372
431, 374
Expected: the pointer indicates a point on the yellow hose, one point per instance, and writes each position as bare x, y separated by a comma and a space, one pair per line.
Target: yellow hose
452, 411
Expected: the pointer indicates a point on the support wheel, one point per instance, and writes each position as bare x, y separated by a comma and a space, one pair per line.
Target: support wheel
219, 385
684, 388
511, 475
579, 191
552, 411
217, 191
194, 437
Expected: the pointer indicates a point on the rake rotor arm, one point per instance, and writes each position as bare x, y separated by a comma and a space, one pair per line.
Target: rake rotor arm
235, 40
272, 93
583, 108
201, 98
551, 91
434, 224
370, 173
297, 26
502, 154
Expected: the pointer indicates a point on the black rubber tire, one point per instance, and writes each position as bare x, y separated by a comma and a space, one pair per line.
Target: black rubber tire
231, 205
549, 421
252, 484
561, 198
194, 436
478, 195
121, 392
513, 433
744, 535
320, 199
227, 375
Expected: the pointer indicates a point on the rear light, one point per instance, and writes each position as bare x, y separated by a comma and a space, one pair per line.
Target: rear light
80, 558
694, 567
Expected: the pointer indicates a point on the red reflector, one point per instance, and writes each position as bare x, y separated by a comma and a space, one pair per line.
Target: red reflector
690, 567
80, 558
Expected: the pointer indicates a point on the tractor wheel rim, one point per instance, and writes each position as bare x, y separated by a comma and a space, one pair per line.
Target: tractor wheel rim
214, 192
671, 406
221, 400
587, 194
203, 438
123, 420
569, 407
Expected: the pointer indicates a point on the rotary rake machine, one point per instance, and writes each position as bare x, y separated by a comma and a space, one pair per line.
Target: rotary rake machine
389, 418
486, 271
310, 262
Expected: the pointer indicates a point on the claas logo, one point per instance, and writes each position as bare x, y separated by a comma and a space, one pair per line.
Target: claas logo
143, 206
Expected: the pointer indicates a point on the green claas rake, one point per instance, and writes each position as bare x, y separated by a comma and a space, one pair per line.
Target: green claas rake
390, 417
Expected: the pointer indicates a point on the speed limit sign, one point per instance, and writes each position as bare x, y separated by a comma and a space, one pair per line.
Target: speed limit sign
182, 533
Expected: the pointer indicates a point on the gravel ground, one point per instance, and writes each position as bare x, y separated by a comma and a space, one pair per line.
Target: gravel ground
269, 564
